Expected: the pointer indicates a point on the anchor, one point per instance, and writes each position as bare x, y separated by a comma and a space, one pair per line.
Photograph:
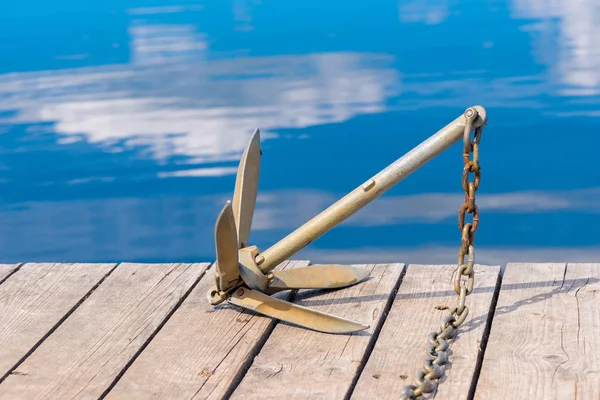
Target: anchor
245, 276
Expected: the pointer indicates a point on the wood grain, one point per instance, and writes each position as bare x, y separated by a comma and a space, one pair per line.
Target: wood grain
83, 357
199, 352
34, 300
6, 270
545, 338
298, 363
425, 295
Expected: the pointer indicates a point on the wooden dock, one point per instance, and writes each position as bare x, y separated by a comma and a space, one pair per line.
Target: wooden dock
146, 331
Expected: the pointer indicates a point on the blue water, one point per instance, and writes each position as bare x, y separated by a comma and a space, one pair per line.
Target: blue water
121, 124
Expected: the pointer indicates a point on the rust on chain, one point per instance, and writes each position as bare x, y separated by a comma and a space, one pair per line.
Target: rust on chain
427, 379
467, 239
464, 209
471, 167
476, 152
470, 197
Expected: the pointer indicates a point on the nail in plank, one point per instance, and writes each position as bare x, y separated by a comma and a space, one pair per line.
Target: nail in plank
35, 298
199, 352
89, 350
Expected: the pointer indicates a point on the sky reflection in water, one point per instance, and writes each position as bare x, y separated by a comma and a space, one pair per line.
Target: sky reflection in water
121, 126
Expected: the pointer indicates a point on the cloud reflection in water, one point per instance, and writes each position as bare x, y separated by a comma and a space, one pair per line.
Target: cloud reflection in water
132, 229
202, 109
177, 98
573, 56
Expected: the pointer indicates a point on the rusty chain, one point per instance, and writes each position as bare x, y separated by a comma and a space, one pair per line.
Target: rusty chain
436, 356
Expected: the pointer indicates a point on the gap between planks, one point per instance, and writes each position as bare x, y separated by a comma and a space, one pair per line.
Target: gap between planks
161, 325
86, 353
6, 270
301, 363
544, 341
200, 352
425, 295
35, 299
221, 352
248, 352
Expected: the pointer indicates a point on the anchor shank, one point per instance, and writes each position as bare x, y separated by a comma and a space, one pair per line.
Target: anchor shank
364, 194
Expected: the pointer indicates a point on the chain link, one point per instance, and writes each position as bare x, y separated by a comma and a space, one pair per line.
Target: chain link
436, 357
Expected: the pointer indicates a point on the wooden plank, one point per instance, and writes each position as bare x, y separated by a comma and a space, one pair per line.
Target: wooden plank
35, 299
199, 352
6, 270
419, 307
83, 357
544, 342
297, 363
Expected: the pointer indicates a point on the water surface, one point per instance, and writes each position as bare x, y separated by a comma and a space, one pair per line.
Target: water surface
121, 125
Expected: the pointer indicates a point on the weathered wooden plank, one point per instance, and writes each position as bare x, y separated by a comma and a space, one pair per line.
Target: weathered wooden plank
419, 307
199, 352
83, 357
35, 299
6, 270
545, 337
300, 363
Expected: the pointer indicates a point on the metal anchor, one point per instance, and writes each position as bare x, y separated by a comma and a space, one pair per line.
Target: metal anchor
244, 276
